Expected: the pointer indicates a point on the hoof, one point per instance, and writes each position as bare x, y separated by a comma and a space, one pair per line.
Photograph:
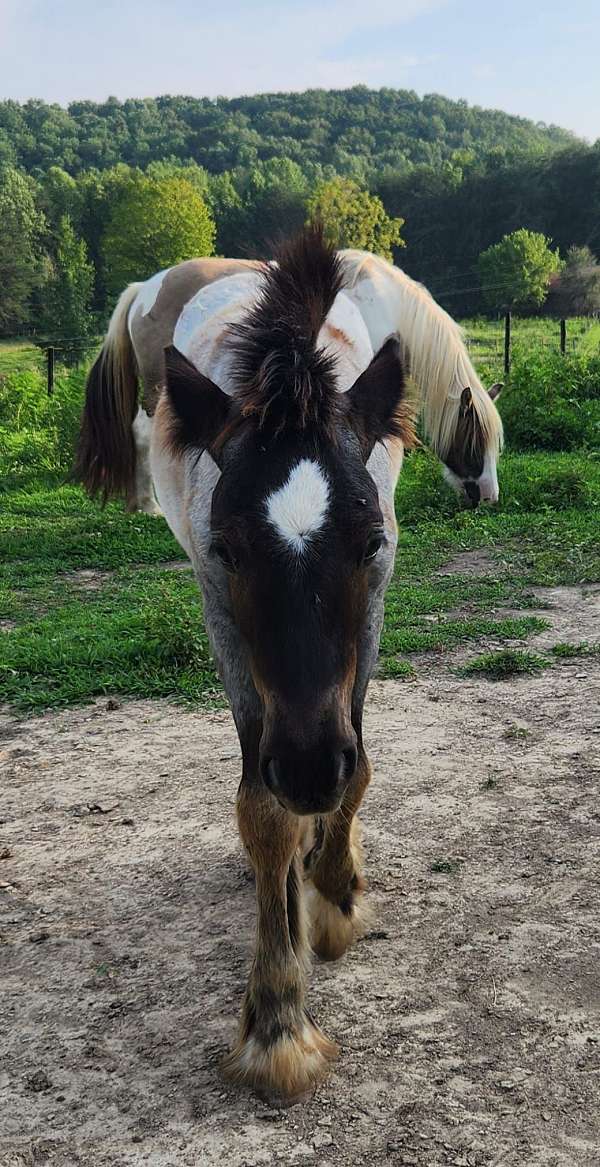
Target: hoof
290, 1066
332, 930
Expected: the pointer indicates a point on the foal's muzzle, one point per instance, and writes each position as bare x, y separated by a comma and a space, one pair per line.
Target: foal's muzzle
310, 781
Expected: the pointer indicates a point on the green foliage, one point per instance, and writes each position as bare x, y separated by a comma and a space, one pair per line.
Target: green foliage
155, 223
21, 228
501, 666
353, 130
516, 272
352, 217
565, 651
38, 432
66, 316
552, 402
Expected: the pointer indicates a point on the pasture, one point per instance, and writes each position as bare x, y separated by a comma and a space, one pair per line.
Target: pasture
468, 1015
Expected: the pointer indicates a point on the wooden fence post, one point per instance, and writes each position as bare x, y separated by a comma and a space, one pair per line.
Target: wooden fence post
50, 367
507, 343
563, 337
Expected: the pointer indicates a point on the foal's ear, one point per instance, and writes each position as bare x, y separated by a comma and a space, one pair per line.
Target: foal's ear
200, 410
376, 403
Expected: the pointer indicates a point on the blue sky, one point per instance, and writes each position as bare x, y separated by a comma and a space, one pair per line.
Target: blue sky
540, 60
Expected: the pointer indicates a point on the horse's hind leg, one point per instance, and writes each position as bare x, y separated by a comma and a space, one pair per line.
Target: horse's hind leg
279, 1047
144, 499
336, 908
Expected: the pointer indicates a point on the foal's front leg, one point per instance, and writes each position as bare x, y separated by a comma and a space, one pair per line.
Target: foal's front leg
279, 1046
337, 912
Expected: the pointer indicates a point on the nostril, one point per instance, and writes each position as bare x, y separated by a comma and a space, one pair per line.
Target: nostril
473, 492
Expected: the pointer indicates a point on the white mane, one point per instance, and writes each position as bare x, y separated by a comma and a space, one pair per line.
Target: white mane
438, 360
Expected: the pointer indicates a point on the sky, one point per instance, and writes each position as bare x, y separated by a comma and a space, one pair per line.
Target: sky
539, 60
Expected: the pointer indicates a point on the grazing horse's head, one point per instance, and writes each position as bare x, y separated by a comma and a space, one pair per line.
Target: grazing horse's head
471, 452
296, 523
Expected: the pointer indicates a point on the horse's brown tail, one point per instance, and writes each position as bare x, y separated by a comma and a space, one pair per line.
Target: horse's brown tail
105, 458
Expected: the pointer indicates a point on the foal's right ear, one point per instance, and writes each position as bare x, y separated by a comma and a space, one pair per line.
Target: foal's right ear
200, 410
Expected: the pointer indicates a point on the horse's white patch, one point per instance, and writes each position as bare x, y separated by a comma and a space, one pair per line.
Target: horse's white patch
202, 324
374, 299
488, 479
345, 334
148, 293
297, 509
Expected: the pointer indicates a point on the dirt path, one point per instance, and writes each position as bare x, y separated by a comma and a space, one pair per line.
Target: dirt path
469, 1019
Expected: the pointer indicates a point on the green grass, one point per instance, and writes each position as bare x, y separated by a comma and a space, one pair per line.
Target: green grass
485, 339
138, 629
19, 355
566, 651
445, 866
501, 666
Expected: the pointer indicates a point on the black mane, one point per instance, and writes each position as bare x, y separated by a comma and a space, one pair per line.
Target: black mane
284, 381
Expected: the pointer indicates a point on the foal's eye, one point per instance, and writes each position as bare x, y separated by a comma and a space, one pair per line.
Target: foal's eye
374, 542
224, 553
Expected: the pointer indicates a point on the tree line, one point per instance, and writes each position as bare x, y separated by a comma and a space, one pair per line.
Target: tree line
78, 221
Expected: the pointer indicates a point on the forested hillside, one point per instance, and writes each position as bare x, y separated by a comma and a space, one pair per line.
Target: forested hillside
100, 194
356, 131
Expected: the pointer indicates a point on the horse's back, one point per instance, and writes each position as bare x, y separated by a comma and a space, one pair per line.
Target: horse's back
154, 313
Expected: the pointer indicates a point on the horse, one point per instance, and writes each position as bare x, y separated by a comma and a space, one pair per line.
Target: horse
276, 445
460, 419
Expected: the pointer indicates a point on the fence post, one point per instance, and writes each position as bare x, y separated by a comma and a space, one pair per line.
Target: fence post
563, 337
50, 367
507, 343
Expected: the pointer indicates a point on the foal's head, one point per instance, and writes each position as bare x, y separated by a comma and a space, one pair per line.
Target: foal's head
472, 451
296, 522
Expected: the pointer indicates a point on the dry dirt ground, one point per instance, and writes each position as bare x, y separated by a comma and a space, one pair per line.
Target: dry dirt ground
469, 1018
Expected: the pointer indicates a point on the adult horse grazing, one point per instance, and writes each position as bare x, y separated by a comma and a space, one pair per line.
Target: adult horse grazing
460, 419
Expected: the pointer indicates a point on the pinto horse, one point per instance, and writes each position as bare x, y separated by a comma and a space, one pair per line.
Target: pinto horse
275, 451
460, 420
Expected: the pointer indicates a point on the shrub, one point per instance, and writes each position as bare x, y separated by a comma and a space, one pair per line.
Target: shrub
38, 432
552, 402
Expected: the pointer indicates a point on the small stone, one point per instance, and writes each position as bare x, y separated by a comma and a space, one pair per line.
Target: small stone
6, 853
111, 705
39, 937
323, 1139
127, 822
546, 1115
38, 1081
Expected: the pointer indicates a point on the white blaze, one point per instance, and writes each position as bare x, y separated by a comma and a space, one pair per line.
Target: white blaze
297, 509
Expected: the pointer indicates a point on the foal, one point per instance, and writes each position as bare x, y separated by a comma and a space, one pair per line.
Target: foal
275, 452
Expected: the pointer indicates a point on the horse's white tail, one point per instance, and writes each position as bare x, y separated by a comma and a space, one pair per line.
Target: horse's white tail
437, 355
105, 460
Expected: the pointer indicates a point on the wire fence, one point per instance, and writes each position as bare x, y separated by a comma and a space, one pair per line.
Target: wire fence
490, 342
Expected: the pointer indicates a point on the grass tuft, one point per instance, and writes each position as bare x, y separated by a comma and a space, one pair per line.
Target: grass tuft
501, 666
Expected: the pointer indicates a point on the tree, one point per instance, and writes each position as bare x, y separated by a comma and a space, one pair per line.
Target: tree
154, 224
576, 291
516, 272
66, 315
352, 217
21, 229
272, 199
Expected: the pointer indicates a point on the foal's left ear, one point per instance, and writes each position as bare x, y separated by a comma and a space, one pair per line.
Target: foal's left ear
376, 402
200, 410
